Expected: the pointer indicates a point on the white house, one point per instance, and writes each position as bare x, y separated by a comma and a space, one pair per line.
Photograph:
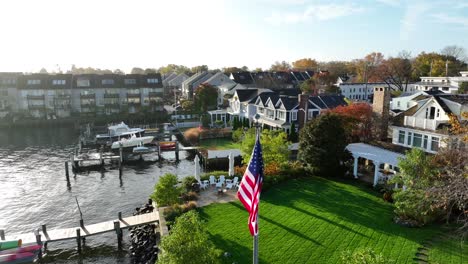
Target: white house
426, 125
189, 85
448, 85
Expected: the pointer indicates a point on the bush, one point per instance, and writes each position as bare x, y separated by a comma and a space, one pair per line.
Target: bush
237, 135
190, 196
360, 256
415, 205
188, 181
166, 192
190, 206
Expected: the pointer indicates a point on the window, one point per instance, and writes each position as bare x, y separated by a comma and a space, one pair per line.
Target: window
130, 81
281, 115
107, 82
261, 110
59, 82
438, 112
34, 82
82, 82
153, 80
430, 112
398, 103
410, 135
435, 144
417, 140
401, 137
425, 142
294, 116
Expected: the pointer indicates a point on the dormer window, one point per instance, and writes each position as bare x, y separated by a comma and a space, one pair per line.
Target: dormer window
59, 82
34, 82
153, 80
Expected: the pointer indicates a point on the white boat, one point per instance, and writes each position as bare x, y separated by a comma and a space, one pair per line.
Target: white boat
120, 130
132, 142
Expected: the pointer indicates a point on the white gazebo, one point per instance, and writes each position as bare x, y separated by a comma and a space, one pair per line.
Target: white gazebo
377, 155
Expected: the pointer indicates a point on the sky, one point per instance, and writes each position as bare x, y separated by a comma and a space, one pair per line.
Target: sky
117, 34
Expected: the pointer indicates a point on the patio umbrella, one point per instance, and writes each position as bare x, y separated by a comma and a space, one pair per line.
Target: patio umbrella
197, 167
231, 164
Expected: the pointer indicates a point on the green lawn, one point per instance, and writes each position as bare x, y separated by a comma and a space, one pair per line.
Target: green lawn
219, 144
313, 221
449, 250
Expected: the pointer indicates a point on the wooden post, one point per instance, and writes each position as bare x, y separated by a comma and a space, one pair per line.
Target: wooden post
120, 215
67, 174
100, 157
39, 242
159, 153
177, 151
119, 234
2, 234
82, 223
78, 239
120, 155
44, 229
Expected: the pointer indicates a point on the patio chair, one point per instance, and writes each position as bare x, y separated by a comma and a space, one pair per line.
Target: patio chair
222, 179
234, 183
212, 180
203, 184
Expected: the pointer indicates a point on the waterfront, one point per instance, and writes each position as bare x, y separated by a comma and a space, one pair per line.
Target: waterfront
33, 191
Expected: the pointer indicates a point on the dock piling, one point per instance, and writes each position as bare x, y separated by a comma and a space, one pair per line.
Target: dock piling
82, 223
39, 242
120, 215
78, 239
118, 230
67, 174
2, 234
100, 156
177, 151
44, 229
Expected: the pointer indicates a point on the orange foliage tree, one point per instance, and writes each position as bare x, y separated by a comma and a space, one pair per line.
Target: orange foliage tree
357, 119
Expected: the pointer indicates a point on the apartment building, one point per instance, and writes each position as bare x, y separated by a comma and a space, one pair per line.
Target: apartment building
447, 85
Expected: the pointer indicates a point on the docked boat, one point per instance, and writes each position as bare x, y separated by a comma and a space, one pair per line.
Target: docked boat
167, 145
116, 132
132, 142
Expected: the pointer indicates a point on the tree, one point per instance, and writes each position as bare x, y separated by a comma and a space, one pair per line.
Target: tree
136, 70
200, 68
323, 143
457, 52
357, 120
118, 71
188, 242
187, 105
305, 64
206, 97
293, 137
416, 174
463, 88
166, 192
309, 86
43, 71
258, 69
173, 68
395, 72
274, 146
365, 68
229, 70
280, 66
437, 65
149, 70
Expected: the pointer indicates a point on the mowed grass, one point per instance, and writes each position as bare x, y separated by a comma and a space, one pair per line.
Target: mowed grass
449, 250
219, 144
313, 221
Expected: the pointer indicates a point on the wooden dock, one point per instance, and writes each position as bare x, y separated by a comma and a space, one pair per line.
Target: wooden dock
86, 230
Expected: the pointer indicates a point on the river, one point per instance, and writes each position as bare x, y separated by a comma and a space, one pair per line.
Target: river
33, 191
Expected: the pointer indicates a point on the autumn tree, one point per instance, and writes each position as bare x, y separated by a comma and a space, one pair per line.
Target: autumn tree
205, 97
173, 68
280, 66
357, 120
200, 68
366, 67
309, 86
437, 65
136, 70
274, 146
305, 64
395, 72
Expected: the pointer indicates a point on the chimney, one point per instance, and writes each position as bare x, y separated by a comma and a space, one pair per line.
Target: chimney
381, 107
301, 114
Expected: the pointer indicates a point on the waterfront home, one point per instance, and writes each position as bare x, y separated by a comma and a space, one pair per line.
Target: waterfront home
426, 124
189, 85
447, 85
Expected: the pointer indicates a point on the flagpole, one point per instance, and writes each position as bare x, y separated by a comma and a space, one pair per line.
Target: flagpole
255, 237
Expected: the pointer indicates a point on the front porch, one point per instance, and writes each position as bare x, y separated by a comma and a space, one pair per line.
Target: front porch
382, 162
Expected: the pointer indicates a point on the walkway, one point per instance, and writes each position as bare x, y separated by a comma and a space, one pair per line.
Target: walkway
87, 230
210, 195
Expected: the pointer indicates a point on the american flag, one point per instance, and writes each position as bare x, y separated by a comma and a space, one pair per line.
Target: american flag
251, 185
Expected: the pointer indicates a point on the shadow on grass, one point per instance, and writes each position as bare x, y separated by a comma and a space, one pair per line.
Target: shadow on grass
290, 230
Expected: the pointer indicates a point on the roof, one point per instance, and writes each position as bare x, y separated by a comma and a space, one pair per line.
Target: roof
246, 94
289, 103
242, 77
375, 153
333, 101
457, 98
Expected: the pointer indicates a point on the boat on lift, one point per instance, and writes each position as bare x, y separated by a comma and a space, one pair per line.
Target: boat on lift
119, 131
132, 142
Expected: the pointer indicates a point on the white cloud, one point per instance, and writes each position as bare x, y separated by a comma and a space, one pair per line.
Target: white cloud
320, 12
456, 20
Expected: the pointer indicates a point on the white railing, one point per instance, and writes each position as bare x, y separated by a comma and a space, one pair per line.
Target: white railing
423, 123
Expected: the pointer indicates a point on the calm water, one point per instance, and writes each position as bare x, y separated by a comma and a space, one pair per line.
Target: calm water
33, 191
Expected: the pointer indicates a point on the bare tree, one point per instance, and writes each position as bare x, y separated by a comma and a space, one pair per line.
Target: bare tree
455, 51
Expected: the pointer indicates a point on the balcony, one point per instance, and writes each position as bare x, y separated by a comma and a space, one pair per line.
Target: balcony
423, 123
36, 107
111, 95
35, 97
